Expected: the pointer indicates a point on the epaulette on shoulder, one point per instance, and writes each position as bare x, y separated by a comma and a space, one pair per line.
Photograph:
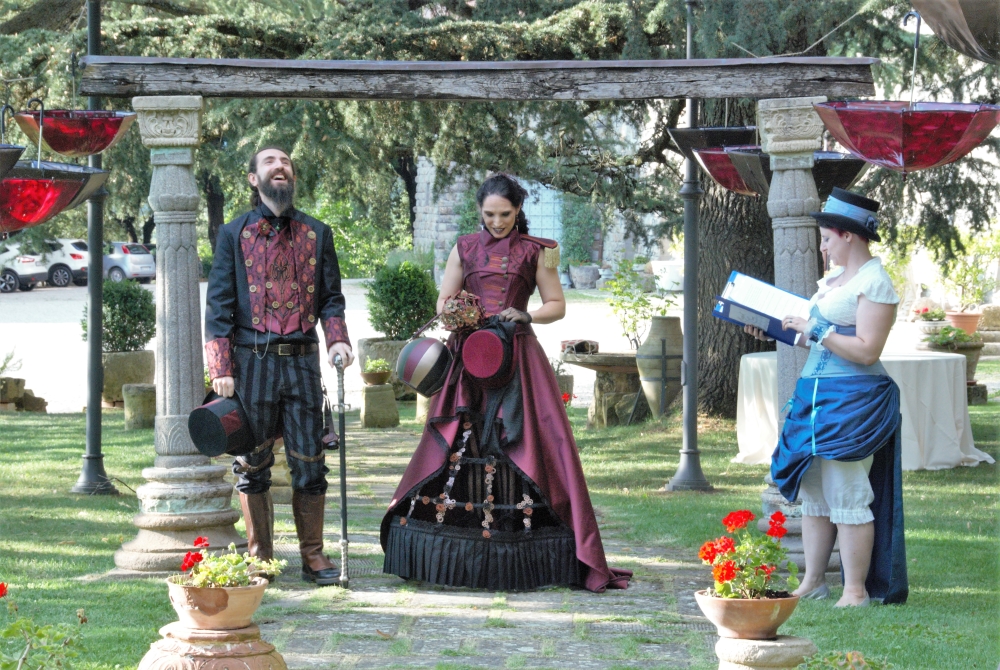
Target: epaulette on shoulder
551, 249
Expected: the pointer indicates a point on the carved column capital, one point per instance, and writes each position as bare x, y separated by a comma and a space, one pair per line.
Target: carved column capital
169, 120
790, 125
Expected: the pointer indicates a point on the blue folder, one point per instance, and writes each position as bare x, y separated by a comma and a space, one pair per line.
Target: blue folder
741, 315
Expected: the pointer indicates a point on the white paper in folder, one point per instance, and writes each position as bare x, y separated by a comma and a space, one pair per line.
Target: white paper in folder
764, 298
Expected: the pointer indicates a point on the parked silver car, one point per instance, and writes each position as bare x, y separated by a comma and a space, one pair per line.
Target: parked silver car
127, 260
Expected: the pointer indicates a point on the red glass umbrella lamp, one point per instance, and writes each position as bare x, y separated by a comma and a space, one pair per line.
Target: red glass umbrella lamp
74, 132
718, 163
907, 137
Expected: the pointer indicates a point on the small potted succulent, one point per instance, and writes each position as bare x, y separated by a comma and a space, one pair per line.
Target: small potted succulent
749, 601
930, 320
377, 371
219, 592
957, 341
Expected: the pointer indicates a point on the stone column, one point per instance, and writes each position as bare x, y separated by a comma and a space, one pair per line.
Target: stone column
790, 131
185, 495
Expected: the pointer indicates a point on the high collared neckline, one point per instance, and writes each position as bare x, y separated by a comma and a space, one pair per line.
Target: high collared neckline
488, 241
278, 223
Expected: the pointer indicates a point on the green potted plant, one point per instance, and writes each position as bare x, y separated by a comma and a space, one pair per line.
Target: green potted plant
401, 298
930, 320
967, 276
749, 600
955, 340
220, 591
376, 371
581, 221
129, 324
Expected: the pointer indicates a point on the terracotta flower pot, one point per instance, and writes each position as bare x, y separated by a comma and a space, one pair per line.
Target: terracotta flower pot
376, 378
967, 321
216, 607
746, 619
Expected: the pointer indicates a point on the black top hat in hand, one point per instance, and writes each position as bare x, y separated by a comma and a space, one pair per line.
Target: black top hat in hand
850, 212
220, 426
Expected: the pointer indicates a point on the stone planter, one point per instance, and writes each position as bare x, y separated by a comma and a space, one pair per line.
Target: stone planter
381, 347
376, 378
565, 383
140, 406
967, 321
971, 350
931, 327
126, 367
378, 407
746, 619
652, 365
584, 276
216, 607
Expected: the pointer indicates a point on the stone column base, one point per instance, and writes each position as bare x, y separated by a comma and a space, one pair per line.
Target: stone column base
784, 651
211, 650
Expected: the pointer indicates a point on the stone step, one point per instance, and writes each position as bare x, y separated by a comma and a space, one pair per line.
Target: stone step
991, 349
990, 335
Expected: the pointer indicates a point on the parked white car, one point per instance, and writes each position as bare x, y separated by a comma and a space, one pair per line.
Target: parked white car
65, 261
19, 271
127, 260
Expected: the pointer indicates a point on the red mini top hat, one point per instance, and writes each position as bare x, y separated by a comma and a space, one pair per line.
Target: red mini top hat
423, 365
488, 354
220, 426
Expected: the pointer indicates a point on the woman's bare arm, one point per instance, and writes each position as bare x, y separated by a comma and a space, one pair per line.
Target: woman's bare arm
550, 290
451, 283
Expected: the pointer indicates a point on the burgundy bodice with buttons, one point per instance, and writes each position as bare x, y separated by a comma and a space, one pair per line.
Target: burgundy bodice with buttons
500, 272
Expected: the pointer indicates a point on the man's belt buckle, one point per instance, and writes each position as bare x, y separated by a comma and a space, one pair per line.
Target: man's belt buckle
286, 349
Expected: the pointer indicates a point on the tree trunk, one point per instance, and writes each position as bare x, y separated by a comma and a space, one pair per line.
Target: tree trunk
406, 168
147, 230
215, 200
45, 14
128, 223
734, 234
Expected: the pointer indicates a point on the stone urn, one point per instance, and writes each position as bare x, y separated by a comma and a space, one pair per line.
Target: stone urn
659, 358
971, 350
746, 618
584, 276
931, 327
967, 321
126, 367
215, 607
389, 350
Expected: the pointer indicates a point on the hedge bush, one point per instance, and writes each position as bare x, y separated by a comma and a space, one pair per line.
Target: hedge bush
401, 298
581, 222
129, 317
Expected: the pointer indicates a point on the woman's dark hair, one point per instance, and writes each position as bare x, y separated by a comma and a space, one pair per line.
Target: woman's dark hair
507, 187
254, 193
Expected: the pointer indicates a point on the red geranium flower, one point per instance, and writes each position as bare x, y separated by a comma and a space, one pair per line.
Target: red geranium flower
724, 545
565, 397
736, 520
190, 559
3, 589
708, 552
777, 531
777, 518
201, 542
724, 571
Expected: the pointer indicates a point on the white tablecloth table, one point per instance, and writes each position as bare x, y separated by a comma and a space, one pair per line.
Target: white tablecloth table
937, 433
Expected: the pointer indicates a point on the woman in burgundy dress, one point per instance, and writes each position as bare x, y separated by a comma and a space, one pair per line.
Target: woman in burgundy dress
494, 496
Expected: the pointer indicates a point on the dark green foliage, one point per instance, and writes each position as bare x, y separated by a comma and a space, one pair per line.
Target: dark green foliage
401, 298
363, 239
469, 220
129, 317
581, 222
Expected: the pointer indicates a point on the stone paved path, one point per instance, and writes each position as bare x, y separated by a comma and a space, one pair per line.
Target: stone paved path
385, 622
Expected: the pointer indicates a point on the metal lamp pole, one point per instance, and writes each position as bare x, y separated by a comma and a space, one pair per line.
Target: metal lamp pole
93, 479
689, 476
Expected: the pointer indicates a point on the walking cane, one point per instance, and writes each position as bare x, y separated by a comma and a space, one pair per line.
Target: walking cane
341, 409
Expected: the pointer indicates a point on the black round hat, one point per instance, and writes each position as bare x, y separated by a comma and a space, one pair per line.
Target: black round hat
845, 210
220, 426
488, 353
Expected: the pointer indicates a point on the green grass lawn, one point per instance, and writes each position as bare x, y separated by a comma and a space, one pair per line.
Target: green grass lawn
50, 540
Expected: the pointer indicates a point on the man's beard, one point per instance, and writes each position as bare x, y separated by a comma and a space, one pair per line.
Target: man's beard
282, 194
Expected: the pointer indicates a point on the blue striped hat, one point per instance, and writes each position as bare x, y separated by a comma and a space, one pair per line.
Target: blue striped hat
850, 212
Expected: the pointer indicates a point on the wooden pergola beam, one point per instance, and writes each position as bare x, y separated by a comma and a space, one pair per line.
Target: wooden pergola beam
128, 76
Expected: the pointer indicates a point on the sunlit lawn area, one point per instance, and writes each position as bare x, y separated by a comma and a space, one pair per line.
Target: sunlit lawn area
50, 540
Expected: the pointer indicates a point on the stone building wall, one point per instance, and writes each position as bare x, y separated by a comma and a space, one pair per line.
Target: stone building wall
436, 224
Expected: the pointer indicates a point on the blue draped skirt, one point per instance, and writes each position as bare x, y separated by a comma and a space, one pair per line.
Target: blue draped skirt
849, 419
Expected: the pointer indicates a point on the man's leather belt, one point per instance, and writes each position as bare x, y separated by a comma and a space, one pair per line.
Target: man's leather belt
286, 349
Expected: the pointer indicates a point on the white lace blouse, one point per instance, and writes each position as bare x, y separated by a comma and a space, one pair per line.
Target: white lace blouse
839, 304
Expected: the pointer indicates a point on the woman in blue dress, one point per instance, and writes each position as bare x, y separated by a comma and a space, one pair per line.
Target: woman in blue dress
839, 448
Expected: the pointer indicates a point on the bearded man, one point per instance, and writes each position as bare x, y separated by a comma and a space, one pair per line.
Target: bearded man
274, 279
